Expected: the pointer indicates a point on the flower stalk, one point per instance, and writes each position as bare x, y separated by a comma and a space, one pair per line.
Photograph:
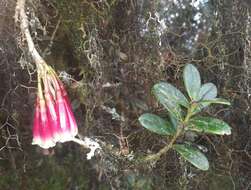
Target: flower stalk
180, 129
54, 120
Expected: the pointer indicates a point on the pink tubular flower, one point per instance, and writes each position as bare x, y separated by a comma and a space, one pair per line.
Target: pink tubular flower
53, 120
67, 121
42, 131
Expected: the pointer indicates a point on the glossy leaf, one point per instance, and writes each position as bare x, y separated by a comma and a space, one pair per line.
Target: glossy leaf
209, 125
217, 101
208, 91
174, 121
192, 155
167, 96
191, 77
156, 124
171, 93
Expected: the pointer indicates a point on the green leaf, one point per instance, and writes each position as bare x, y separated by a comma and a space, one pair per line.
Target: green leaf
204, 103
208, 91
156, 124
194, 156
171, 92
191, 77
209, 125
170, 97
172, 108
174, 121
217, 101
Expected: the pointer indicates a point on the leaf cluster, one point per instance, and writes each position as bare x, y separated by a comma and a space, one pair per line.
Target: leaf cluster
184, 114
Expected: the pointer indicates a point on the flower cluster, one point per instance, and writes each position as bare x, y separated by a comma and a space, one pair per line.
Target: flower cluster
53, 120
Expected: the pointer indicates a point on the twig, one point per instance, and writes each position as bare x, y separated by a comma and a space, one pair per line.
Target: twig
48, 48
88, 143
24, 26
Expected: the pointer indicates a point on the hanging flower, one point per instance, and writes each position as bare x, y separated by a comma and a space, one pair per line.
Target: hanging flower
53, 120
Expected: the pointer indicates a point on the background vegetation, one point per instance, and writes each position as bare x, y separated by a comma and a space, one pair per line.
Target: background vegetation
109, 54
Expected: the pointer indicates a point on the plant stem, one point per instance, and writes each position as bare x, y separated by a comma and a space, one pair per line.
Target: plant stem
24, 26
166, 148
180, 129
189, 113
